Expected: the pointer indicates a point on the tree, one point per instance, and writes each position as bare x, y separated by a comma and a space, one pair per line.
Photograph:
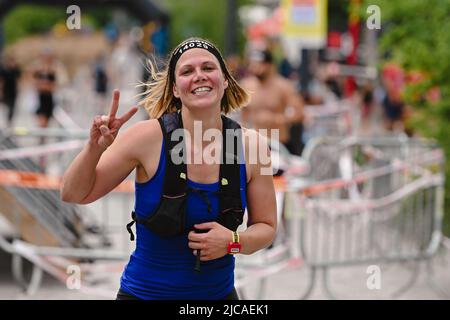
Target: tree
415, 34
202, 18
26, 20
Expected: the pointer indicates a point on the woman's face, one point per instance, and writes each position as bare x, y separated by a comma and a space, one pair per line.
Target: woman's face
199, 81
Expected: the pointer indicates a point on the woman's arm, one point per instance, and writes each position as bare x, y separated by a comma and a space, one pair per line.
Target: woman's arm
101, 165
261, 202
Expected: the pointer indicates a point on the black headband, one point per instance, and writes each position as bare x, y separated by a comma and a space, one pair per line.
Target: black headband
193, 44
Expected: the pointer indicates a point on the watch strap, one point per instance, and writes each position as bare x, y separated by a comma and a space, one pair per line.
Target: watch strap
235, 236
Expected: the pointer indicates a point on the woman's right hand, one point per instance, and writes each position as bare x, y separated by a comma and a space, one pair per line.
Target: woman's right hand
105, 128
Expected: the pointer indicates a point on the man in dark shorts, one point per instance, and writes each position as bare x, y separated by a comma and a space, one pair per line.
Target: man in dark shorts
9, 77
44, 75
394, 109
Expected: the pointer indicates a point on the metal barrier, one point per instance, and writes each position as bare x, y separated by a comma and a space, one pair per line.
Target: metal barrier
379, 201
279, 257
338, 119
104, 246
282, 255
53, 235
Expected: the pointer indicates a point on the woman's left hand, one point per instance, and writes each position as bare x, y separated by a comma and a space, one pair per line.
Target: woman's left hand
213, 244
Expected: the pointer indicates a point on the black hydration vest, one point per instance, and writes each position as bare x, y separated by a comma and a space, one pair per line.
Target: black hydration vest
168, 220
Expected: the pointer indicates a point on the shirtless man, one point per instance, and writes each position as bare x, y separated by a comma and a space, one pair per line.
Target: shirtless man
274, 102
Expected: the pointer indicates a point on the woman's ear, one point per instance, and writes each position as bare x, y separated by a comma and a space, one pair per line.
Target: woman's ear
175, 91
225, 84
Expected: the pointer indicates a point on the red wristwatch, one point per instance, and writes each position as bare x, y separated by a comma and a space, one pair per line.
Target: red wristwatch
234, 246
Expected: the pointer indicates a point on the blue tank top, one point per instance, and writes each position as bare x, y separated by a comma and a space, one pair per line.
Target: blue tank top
164, 268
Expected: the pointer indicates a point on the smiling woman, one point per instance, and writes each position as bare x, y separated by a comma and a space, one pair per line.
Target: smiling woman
199, 80
186, 214
159, 94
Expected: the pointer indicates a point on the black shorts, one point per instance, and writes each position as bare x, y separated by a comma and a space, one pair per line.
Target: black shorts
393, 110
122, 295
46, 104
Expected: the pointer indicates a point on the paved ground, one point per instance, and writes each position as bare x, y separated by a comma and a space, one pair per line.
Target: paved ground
351, 282
345, 283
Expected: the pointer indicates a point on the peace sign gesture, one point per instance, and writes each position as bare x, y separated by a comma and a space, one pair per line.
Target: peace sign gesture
105, 128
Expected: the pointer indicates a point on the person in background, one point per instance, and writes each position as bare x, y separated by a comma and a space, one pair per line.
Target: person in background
9, 78
237, 69
48, 75
393, 79
275, 103
100, 76
45, 81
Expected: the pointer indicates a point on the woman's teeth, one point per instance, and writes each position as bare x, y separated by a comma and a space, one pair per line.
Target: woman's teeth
202, 89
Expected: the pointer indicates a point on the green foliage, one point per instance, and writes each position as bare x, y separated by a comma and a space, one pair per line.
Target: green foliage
25, 20
338, 12
201, 18
31, 19
416, 34
100, 17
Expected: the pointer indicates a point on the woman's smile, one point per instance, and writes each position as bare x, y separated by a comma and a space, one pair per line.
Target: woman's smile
201, 90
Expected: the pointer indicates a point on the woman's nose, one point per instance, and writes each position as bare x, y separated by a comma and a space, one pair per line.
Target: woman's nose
199, 75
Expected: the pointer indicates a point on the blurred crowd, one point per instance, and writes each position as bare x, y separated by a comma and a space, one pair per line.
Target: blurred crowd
47, 73
280, 91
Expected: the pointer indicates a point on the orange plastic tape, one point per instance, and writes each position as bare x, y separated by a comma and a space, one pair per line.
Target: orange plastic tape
24, 179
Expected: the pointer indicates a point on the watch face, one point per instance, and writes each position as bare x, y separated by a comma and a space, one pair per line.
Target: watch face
234, 247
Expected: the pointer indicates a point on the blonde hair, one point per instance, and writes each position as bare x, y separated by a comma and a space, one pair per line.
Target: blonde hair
159, 98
